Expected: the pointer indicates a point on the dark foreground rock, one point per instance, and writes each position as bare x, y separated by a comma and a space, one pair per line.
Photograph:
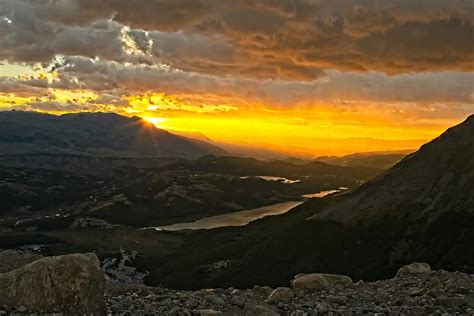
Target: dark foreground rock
72, 284
14, 259
415, 291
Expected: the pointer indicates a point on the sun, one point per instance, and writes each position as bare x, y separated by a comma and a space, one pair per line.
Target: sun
155, 120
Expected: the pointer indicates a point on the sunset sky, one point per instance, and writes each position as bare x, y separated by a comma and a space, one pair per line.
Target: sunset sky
309, 76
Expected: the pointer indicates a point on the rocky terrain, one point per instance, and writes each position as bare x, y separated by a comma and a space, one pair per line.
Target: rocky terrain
415, 290
436, 292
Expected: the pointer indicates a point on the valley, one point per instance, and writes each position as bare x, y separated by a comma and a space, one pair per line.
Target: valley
149, 210
240, 222
57, 212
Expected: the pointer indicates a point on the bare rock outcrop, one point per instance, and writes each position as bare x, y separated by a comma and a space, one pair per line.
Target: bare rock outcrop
71, 284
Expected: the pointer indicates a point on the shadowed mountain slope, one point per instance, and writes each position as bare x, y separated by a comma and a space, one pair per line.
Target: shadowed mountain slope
439, 178
95, 134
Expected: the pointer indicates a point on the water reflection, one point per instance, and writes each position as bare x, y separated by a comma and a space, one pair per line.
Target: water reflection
273, 178
322, 194
242, 218
234, 219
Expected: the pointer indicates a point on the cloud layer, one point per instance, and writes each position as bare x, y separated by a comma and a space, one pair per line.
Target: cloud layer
278, 39
412, 59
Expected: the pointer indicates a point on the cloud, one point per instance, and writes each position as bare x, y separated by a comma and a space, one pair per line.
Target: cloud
404, 56
117, 79
277, 39
21, 88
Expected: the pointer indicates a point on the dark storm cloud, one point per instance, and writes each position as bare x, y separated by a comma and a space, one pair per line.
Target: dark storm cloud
281, 39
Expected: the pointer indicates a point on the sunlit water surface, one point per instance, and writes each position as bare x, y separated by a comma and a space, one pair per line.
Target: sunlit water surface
242, 218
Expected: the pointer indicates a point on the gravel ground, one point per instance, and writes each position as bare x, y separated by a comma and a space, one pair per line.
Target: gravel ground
416, 291
436, 293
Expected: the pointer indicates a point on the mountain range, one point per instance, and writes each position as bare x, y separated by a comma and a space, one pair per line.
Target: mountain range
382, 160
94, 134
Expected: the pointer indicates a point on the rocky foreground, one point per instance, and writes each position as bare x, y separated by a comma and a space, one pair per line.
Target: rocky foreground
75, 284
416, 290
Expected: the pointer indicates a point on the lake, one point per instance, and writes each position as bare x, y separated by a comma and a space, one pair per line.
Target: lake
241, 218
273, 178
322, 194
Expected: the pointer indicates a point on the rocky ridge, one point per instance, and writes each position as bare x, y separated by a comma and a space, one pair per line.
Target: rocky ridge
415, 289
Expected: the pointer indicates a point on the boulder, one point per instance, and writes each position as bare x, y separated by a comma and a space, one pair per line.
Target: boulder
307, 283
414, 268
238, 301
263, 311
71, 284
281, 294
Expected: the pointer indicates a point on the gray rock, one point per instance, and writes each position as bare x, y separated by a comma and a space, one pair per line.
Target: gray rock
415, 292
450, 302
281, 294
336, 299
322, 308
238, 301
307, 283
263, 311
299, 313
414, 268
72, 284
22, 309
470, 299
216, 300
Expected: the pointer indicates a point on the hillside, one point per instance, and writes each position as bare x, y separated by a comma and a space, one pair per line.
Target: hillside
382, 160
439, 178
254, 167
93, 134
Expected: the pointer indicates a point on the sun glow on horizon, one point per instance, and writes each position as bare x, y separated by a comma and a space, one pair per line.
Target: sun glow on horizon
314, 128
157, 121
